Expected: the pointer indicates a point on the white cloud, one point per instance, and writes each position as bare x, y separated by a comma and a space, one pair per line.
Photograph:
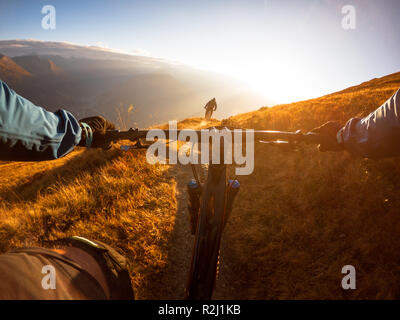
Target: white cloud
102, 44
65, 49
141, 52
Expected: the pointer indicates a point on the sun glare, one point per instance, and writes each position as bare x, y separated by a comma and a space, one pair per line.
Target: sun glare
277, 76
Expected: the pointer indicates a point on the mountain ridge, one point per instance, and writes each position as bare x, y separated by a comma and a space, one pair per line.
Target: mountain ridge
11, 71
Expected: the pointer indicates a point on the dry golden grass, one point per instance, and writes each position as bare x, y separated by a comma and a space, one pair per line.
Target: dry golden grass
340, 106
109, 196
302, 215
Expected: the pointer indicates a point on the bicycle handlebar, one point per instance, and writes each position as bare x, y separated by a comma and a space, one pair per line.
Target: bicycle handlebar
297, 136
259, 135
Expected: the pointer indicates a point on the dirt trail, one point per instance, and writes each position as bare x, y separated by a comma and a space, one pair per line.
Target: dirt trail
171, 282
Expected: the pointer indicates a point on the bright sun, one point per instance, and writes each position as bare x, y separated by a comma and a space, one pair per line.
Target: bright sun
278, 79
280, 83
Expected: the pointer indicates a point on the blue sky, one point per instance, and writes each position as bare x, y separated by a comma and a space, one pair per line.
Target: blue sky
285, 50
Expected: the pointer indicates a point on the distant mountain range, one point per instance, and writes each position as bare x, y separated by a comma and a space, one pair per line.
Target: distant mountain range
128, 89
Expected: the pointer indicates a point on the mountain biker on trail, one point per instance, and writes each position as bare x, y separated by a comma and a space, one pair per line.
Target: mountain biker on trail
88, 269
210, 107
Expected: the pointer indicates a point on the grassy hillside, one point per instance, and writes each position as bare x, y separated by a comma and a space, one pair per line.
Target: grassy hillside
110, 196
299, 218
302, 215
354, 101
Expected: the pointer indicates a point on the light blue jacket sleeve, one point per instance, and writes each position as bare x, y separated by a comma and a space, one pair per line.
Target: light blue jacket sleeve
29, 132
378, 134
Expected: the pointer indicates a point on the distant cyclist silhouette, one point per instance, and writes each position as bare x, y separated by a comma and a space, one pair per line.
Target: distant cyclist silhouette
210, 107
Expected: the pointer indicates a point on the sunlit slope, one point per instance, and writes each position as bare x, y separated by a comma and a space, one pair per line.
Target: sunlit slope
109, 196
354, 101
303, 215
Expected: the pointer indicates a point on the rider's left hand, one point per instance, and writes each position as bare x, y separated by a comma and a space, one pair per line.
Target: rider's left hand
99, 126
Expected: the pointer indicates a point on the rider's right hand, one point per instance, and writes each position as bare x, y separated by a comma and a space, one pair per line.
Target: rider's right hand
328, 136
